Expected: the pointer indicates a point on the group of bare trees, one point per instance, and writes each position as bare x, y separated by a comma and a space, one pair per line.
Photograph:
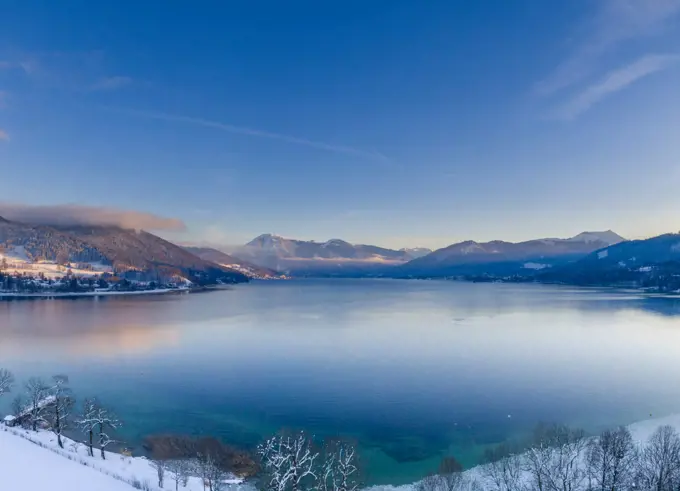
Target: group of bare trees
294, 463
563, 459
51, 404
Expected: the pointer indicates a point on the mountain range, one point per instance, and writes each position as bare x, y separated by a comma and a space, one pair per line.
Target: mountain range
340, 258
651, 263
589, 258
506, 258
134, 254
334, 257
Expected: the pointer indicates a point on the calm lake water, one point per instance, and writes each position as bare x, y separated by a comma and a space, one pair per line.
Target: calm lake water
413, 370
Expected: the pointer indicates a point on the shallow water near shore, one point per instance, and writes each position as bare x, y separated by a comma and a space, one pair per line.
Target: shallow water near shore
411, 370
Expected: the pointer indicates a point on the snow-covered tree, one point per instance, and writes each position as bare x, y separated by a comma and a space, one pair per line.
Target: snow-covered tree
96, 418
159, 466
660, 461
288, 462
340, 471
18, 405
37, 392
612, 461
503, 469
538, 459
6, 381
556, 461
87, 423
210, 471
63, 405
180, 470
456, 481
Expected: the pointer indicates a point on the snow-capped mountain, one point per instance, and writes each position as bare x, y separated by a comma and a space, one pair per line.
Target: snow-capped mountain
280, 247
416, 252
607, 237
311, 257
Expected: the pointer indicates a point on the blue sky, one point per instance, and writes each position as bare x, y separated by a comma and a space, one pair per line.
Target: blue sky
398, 123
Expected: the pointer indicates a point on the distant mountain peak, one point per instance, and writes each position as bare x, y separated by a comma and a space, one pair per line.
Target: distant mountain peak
336, 242
608, 237
265, 239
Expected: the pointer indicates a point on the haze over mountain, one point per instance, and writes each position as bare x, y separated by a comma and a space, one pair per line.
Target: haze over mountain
133, 253
333, 257
223, 259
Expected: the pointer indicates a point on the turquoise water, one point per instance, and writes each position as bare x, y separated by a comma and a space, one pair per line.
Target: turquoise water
412, 370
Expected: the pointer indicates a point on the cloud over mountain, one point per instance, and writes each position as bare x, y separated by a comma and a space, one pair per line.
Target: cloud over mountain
72, 215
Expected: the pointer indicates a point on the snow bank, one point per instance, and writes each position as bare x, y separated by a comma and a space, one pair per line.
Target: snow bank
33, 461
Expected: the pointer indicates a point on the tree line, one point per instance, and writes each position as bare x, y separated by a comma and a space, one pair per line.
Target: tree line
558, 458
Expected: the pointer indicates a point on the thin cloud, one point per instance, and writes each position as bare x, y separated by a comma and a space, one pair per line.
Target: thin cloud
74, 215
614, 23
3, 135
111, 83
27, 66
615, 81
240, 130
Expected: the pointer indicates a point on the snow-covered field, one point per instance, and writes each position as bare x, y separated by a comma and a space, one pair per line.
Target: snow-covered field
18, 262
32, 461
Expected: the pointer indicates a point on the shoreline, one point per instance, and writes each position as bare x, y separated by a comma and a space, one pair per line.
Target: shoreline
55, 295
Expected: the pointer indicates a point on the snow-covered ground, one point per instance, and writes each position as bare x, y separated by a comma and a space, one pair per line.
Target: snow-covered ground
18, 262
32, 461
27, 467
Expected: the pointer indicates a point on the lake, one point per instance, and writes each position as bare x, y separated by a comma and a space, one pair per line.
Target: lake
412, 370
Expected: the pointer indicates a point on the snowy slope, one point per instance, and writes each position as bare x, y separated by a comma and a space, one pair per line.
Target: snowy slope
27, 467
640, 431
32, 461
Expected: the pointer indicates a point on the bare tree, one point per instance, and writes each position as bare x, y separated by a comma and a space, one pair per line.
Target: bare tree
63, 405
566, 469
87, 423
289, 462
538, 459
210, 472
159, 465
180, 470
503, 468
37, 391
612, 461
97, 418
340, 471
660, 461
6, 381
456, 481
18, 405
